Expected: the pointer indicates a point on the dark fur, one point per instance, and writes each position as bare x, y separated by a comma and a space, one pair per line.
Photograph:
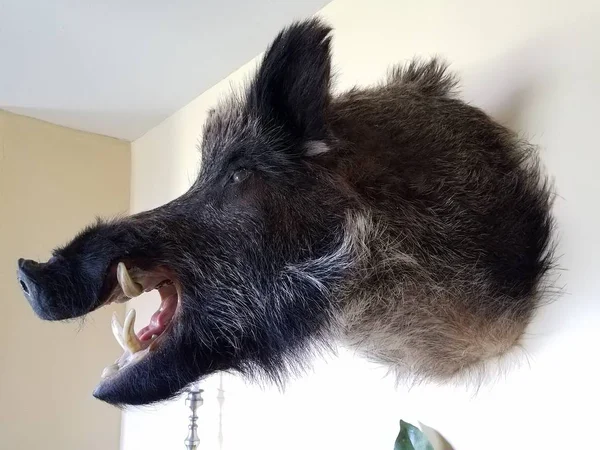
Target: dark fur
395, 218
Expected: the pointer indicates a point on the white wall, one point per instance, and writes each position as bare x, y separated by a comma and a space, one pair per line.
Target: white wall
53, 182
534, 65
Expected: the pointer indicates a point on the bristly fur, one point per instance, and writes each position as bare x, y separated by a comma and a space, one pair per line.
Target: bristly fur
396, 219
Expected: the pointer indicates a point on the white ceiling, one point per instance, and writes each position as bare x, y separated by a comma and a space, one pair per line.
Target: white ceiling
119, 67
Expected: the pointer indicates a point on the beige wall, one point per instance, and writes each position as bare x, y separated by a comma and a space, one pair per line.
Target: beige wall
533, 64
53, 181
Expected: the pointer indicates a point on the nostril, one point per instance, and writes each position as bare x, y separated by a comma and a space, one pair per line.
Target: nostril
26, 275
24, 286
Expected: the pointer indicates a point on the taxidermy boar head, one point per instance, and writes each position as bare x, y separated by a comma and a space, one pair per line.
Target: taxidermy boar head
396, 219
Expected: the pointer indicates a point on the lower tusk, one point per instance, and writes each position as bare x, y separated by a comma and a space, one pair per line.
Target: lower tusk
131, 340
117, 330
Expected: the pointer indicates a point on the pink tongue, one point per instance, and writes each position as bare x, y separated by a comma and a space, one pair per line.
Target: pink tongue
160, 319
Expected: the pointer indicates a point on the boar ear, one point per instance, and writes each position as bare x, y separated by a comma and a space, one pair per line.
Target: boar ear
291, 88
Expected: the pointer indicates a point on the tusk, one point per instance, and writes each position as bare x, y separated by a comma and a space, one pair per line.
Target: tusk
130, 288
132, 342
117, 330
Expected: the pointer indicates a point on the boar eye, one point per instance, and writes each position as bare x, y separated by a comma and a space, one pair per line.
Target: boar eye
240, 175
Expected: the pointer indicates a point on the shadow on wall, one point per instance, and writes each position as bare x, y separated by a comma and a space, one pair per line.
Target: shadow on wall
505, 86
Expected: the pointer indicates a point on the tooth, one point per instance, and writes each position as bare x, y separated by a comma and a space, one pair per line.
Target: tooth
131, 340
130, 288
109, 370
117, 330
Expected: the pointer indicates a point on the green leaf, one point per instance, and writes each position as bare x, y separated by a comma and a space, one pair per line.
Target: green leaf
411, 438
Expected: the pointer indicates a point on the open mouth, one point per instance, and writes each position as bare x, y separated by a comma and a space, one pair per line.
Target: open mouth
127, 283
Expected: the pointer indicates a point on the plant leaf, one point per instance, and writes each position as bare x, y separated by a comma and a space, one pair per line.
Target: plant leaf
436, 439
411, 438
